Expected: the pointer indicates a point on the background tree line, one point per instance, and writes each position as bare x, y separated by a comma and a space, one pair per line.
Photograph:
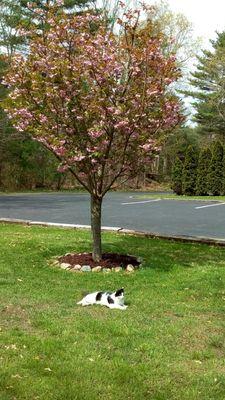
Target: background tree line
200, 172
194, 171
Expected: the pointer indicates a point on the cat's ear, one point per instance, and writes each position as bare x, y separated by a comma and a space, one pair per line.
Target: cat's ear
119, 292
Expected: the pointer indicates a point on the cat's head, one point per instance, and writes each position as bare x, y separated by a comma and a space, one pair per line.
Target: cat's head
119, 293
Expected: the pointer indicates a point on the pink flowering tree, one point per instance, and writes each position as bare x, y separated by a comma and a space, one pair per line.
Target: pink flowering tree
98, 100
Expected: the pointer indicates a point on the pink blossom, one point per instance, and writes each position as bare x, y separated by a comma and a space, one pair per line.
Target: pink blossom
60, 151
76, 159
121, 124
152, 92
95, 134
43, 119
62, 168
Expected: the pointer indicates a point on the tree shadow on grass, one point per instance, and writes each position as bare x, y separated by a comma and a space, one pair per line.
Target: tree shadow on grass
164, 254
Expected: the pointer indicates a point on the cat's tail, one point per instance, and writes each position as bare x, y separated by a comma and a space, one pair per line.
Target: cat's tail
82, 302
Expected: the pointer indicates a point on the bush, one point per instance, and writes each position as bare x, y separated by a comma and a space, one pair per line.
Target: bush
203, 172
223, 182
177, 176
190, 171
215, 176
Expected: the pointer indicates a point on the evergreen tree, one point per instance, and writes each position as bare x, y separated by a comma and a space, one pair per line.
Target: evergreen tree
189, 171
177, 176
176, 145
208, 82
215, 177
203, 171
223, 183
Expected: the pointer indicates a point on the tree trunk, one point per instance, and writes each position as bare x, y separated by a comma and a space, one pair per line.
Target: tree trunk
96, 211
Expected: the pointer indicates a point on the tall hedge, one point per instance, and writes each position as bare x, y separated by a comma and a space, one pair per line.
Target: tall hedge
177, 176
223, 183
190, 171
203, 172
215, 176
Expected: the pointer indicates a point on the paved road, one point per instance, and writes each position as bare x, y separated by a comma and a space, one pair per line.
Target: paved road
126, 210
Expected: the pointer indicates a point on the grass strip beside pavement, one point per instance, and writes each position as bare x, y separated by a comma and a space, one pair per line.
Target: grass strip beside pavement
168, 344
167, 196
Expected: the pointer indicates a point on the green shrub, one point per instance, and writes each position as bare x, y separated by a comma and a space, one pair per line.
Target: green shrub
203, 171
215, 176
190, 171
223, 182
177, 176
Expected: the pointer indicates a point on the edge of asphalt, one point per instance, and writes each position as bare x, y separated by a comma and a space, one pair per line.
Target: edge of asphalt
180, 238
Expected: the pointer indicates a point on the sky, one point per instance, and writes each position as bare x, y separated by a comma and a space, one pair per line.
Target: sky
207, 17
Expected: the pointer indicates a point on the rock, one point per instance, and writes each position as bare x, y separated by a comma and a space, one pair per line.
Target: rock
65, 266
130, 268
118, 269
106, 270
97, 269
85, 268
77, 267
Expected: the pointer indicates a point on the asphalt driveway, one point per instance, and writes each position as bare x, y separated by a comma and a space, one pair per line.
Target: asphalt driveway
121, 209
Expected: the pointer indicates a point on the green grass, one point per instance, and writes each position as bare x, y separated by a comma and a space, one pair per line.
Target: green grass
174, 196
169, 344
138, 194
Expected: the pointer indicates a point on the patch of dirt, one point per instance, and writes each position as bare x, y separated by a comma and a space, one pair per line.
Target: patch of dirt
109, 260
16, 316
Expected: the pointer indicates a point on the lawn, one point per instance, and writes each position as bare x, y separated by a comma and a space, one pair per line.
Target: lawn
169, 344
173, 196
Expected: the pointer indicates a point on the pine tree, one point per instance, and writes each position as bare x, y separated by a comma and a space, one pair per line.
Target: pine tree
208, 82
177, 176
189, 171
215, 177
203, 171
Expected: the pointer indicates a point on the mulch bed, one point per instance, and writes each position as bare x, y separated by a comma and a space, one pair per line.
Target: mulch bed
109, 260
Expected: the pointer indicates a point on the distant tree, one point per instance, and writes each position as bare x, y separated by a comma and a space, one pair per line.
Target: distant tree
178, 32
177, 172
203, 172
10, 17
190, 171
207, 89
176, 144
215, 177
223, 183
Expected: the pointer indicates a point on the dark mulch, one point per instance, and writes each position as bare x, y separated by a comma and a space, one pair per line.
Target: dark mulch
109, 260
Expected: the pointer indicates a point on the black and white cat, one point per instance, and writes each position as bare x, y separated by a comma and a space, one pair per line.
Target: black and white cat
108, 299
